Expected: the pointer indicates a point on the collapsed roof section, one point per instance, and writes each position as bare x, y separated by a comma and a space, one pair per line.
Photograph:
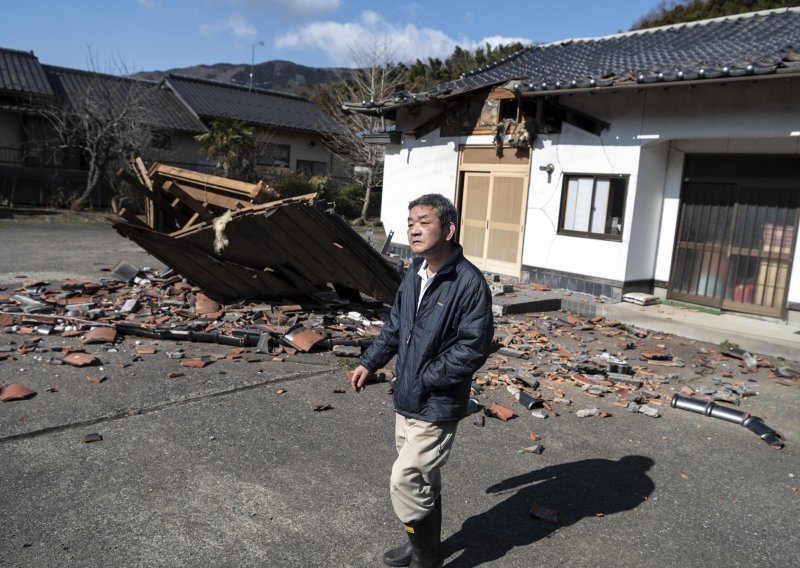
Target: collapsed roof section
287, 248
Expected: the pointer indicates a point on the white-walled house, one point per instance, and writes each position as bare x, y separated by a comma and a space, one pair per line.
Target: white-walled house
664, 160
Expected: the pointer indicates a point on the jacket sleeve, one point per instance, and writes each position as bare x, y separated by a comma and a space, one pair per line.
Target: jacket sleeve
471, 347
385, 345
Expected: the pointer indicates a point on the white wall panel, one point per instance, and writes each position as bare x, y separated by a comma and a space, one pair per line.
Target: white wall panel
414, 168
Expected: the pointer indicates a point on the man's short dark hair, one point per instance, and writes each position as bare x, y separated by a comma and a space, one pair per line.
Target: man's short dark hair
444, 208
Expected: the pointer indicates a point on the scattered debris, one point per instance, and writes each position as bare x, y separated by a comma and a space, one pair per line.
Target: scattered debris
321, 407
535, 449
15, 391
78, 359
648, 411
197, 362
543, 513
588, 412
500, 412
89, 438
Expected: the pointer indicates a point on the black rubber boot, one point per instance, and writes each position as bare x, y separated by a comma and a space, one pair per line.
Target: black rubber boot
425, 540
398, 556
402, 555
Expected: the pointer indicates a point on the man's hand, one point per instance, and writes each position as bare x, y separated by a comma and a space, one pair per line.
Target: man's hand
359, 378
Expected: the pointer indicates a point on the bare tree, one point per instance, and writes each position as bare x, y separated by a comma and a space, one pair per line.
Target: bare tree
372, 79
103, 116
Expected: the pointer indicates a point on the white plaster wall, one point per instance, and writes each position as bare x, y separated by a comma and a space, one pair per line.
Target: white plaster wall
413, 168
575, 151
670, 209
645, 220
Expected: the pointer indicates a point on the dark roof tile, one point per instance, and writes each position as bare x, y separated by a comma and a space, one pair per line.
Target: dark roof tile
153, 105
214, 99
21, 74
766, 41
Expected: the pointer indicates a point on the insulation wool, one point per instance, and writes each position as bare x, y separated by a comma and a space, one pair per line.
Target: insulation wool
220, 240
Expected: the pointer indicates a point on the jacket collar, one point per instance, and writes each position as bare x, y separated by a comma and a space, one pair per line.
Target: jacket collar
448, 265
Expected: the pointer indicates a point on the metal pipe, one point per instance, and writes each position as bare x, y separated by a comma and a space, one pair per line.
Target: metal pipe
753, 423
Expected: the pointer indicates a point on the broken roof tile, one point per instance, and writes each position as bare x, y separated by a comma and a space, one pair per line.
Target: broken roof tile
99, 335
78, 359
15, 391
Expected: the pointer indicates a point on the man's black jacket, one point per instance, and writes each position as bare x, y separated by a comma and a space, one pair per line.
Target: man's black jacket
440, 346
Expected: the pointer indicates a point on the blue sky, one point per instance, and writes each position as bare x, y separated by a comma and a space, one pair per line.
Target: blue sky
147, 35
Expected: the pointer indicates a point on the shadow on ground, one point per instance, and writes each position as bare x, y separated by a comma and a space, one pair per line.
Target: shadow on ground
574, 490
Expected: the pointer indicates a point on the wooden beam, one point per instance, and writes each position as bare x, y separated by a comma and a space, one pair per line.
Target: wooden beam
178, 192
191, 220
210, 197
141, 172
231, 186
154, 197
132, 219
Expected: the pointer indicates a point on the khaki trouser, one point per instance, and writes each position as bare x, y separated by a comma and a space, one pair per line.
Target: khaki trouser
422, 449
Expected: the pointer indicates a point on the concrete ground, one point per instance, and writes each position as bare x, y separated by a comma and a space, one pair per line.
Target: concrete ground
229, 465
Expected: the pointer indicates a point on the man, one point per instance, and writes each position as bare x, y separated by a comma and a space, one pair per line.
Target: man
441, 329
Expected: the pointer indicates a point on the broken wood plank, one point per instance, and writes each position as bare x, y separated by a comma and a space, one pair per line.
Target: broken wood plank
140, 171
131, 218
198, 207
151, 196
191, 221
204, 196
239, 188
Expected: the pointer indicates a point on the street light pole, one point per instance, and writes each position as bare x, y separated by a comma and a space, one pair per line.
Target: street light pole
253, 62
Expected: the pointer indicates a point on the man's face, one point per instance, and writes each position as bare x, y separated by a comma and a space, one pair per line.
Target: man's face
425, 233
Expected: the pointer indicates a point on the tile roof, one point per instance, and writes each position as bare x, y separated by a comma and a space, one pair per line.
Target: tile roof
214, 99
155, 106
754, 44
21, 74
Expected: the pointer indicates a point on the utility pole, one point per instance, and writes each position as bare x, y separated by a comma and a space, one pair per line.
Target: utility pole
253, 62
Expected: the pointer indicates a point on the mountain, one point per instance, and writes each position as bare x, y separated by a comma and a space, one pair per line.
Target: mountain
277, 75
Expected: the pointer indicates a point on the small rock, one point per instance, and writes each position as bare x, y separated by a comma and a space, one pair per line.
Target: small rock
538, 413
588, 412
648, 411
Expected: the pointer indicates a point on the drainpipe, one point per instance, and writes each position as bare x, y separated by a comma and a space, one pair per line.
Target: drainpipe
753, 423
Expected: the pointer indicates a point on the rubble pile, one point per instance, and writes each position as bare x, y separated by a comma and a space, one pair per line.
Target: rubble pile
223, 237
549, 365
545, 364
176, 198
163, 306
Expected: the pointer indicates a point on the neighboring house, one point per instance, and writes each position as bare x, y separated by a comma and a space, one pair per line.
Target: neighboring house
36, 168
664, 160
23, 86
294, 126
172, 123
